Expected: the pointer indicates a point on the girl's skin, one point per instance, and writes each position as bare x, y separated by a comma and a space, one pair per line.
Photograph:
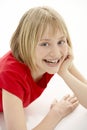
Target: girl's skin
51, 52
74, 79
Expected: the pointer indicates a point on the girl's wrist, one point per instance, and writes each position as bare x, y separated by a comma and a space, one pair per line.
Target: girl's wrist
50, 121
63, 73
66, 74
55, 117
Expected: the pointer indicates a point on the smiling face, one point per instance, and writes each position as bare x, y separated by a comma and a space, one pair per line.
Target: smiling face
50, 52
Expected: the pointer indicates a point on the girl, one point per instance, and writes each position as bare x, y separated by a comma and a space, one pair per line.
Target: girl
40, 47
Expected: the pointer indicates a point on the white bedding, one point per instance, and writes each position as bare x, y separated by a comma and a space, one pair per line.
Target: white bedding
38, 109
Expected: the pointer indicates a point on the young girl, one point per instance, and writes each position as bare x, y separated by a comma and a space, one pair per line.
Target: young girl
40, 47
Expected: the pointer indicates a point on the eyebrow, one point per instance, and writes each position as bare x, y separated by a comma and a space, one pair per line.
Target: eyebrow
46, 39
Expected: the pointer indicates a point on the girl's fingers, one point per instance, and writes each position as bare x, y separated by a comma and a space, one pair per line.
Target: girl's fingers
66, 97
71, 99
53, 103
75, 104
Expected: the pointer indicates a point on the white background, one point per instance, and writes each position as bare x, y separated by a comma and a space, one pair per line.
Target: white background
75, 14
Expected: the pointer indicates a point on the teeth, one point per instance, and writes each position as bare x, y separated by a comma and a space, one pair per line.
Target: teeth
52, 61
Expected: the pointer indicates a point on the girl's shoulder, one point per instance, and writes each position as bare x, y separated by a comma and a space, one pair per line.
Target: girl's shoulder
9, 63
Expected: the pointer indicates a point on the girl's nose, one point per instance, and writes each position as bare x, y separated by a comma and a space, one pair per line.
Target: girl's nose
55, 52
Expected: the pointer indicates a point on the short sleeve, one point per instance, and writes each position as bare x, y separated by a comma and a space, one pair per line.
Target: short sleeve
13, 78
14, 83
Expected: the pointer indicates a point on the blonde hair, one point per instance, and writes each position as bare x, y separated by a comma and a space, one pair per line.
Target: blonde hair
31, 27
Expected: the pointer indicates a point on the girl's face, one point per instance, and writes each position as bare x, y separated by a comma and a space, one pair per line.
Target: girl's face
50, 52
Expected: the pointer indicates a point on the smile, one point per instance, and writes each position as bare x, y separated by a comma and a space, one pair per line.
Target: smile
52, 61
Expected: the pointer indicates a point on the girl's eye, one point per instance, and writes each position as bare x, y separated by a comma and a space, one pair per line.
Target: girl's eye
44, 44
61, 42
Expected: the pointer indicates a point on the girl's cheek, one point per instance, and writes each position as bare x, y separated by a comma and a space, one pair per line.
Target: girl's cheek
65, 50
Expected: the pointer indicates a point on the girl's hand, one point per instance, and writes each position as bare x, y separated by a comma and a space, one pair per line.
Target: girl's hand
67, 63
65, 106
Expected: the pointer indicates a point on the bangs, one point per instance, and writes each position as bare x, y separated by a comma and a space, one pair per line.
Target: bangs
53, 25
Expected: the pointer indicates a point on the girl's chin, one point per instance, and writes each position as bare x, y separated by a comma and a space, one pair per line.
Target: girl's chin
52, 68
52, 71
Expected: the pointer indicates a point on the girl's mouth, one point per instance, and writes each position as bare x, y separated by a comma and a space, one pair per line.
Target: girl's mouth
52, 61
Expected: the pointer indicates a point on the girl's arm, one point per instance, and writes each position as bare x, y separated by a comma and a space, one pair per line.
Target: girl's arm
74, 79
77, 86
13, 112
73, 70
57, 112
15, 118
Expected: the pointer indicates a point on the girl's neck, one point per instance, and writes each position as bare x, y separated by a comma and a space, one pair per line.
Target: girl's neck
36, 75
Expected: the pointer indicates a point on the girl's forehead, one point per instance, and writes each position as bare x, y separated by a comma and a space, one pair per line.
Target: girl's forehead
49, 33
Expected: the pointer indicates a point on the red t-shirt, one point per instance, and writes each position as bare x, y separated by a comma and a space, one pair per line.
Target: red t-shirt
15, 77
